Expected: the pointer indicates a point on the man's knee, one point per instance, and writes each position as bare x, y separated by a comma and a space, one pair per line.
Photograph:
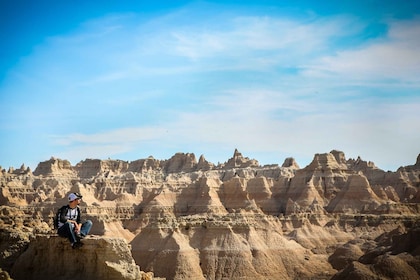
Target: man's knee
87, 225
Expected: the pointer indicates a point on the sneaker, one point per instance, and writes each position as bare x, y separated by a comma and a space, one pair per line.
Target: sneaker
79, 236
76, 245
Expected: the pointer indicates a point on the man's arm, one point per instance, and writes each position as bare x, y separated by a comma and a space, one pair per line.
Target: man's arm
63, 213
78, 223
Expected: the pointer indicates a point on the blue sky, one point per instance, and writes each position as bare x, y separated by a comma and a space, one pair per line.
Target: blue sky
274, 79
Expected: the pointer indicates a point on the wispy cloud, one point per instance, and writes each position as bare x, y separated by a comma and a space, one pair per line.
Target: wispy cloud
120, 48
394, 58
261, 42
122, 135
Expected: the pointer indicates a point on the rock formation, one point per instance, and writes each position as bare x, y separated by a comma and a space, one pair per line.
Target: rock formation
186, 219
394, 255
99, 258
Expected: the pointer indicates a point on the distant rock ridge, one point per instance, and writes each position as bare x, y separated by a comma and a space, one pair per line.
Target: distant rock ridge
329, 179
54, 166
290, 162
186, 162
180, 162
239, 161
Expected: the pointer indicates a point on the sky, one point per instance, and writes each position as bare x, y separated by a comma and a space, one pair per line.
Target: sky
274, 79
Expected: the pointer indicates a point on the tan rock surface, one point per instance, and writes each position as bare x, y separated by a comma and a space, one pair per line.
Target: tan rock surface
53, 258
356, 195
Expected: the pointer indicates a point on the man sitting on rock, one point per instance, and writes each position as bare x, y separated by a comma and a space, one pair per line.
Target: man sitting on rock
69, 222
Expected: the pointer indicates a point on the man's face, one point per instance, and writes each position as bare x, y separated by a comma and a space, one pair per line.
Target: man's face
75, 202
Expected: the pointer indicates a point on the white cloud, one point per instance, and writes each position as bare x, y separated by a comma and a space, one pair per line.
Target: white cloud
121, 135
255, 42
395, 58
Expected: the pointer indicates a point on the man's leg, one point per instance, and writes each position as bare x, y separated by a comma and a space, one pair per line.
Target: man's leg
86, 226
67, 230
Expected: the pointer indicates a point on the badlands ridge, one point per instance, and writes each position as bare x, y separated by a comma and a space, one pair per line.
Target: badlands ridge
180, 218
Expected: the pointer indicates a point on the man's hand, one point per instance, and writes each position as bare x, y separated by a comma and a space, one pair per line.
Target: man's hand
77, 226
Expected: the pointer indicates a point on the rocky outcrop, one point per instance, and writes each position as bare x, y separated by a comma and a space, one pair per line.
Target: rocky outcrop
99, 258
239, 161
351, 251
395, 256
93, 167
290, 162
203, 164
54, 167
235, 246
357, 195
187, 219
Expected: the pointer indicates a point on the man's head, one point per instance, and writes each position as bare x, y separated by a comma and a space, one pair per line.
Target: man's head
74, 198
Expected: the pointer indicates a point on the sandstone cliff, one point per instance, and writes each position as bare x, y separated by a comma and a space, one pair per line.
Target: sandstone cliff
187, 219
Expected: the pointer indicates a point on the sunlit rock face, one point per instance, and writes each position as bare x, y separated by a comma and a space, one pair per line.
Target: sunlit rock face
185, 218
99, 258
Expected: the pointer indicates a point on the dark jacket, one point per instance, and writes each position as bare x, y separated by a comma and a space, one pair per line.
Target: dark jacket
63, 212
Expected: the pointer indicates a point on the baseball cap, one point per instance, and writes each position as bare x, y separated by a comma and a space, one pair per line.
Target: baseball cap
74, 196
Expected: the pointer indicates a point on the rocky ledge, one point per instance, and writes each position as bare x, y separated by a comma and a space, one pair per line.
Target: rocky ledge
51, 257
